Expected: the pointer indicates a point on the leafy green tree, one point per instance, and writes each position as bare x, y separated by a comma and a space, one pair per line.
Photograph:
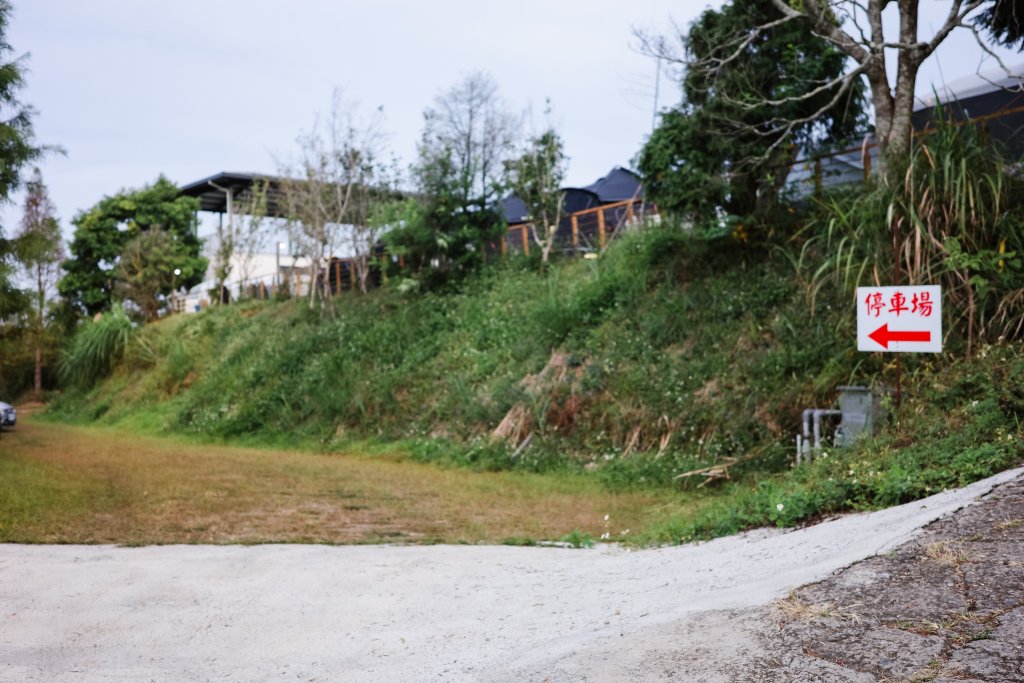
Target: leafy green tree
536, 178
40, 251
102, 233
1004, 22
13, 300
145, 270
468, 137
14, 303
17, 145
752, 100
17, 150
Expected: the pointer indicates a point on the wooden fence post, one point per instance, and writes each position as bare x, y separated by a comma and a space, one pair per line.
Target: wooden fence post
600, 229
575, 235
526, 242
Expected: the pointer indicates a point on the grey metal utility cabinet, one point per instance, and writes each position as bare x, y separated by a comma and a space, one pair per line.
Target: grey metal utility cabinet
861, 409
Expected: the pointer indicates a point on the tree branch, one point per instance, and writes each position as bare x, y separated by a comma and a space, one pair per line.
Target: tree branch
822, 27
845, 79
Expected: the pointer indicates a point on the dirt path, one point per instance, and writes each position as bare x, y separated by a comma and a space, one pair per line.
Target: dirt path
446, 613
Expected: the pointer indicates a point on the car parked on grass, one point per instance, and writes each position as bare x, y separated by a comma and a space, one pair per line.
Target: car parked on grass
8, 415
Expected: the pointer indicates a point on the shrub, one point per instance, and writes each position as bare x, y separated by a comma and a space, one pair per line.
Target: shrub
95, 347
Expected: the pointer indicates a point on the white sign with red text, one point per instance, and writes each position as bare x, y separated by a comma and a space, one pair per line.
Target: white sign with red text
900, 319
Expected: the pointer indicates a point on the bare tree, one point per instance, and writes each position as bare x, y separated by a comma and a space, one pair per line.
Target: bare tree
473, 123
374, 179
856, 27
469, 134
250, 237
40, 252
536, 178
222, 258
327, 194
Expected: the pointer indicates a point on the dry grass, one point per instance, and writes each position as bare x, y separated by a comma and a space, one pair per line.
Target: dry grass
945, 553
65, 484
1008, 524
796, 609
937, 669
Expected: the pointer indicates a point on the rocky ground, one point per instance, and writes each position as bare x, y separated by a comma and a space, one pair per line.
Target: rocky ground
946, 606
949, 605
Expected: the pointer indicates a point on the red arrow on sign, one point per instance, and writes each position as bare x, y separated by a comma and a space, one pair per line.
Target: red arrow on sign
883, 335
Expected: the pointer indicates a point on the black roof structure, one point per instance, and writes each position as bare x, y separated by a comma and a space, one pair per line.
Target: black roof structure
212, 192
576, 199
515, 210
619, 185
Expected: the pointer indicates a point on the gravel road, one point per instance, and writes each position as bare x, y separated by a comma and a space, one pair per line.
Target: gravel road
419, 613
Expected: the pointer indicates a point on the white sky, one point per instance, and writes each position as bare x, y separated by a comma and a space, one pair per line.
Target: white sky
191, 88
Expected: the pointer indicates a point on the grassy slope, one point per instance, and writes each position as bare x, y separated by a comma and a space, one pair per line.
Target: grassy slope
684, 352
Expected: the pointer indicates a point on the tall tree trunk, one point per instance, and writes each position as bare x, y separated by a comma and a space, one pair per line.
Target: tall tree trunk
39, 331
882, 100
38, 385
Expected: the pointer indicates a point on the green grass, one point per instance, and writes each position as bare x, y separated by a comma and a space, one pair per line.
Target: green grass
682, 353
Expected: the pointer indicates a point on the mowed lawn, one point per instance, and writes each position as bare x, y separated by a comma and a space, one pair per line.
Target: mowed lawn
72, 484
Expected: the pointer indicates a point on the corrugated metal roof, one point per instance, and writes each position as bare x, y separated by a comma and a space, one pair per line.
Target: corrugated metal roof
974, 85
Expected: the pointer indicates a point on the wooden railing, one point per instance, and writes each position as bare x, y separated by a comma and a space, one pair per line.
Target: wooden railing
868, 151
583, 231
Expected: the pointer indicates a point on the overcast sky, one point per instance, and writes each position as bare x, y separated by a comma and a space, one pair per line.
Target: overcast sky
191, 88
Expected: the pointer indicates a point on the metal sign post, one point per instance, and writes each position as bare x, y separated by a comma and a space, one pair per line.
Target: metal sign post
899, 320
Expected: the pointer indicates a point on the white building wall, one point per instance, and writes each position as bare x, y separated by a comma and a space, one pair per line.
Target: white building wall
257, 269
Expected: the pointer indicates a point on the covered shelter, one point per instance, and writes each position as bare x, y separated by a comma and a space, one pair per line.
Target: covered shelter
222, 192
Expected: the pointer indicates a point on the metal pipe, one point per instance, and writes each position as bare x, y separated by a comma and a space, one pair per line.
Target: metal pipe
807, 422
818, 414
